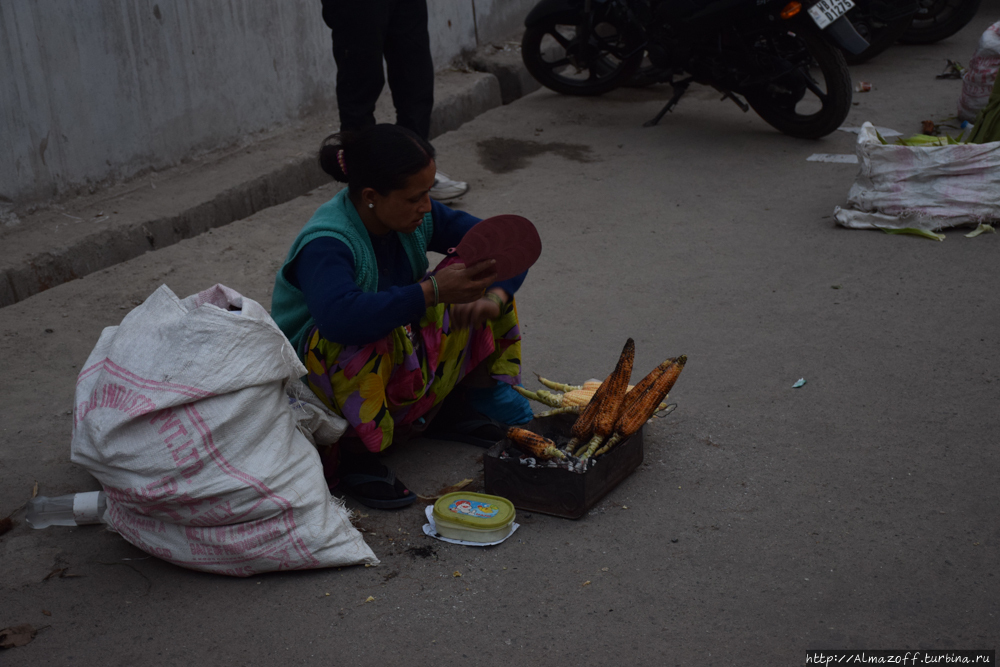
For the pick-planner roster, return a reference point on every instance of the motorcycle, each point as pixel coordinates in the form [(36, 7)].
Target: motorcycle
[(778, 55), (883, 22)]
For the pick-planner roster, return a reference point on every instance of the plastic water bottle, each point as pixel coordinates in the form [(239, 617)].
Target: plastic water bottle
[(76, 509)]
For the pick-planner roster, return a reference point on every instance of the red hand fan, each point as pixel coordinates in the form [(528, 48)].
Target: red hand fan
[(509, 239)]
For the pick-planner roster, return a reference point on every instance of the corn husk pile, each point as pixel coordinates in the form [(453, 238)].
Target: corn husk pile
[(608, 412)]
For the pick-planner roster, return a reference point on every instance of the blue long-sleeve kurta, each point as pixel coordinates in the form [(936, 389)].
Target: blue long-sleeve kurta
[(324, 271)]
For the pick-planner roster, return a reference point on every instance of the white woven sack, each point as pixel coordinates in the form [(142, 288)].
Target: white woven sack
[(977, 82), (931, 188), (188, 413)]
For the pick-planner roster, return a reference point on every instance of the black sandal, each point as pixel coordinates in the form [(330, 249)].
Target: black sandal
[(372, 484)]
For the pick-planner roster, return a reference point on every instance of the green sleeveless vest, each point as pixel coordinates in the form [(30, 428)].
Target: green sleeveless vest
[(339, 219)]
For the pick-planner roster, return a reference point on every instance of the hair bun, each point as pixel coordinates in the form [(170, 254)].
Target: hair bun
[(331, 160), (381, 157)]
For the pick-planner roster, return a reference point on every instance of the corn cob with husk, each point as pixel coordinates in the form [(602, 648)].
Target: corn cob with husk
[(558, 386), (574, 398), (645, 383), (583, 427), (644, 406), (534, 444), (542, 396), (607, 402), (558, 402)]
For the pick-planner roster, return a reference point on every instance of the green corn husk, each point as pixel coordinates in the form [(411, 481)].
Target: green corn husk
[(570, 446), (921, 140), (986, 127), (568, 410), (555, 400), (925, 140), (588, 450), (542, 396), (934, 236), (983, 228), (551, 452), (558, 386), (612, 441)]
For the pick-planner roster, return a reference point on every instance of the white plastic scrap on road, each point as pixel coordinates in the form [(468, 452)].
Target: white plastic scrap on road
[(921, 187), (845, 158)]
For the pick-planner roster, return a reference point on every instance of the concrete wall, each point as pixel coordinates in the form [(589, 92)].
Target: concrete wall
[(93, 91)]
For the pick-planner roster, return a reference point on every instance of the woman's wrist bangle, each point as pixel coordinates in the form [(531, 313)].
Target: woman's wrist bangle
[(495, 298), (437, 295)]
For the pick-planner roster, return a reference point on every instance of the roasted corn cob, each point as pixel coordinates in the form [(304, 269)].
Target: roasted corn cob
[(583, 427), (643, 407), (575, 396), (533, 444), (608, 407), (638, 390)]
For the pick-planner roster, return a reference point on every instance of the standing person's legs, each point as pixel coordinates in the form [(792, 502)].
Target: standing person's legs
[(358, 29), (407, 50)]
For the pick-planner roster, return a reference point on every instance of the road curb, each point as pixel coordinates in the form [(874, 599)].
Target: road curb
[(504, 62), (30, 270)]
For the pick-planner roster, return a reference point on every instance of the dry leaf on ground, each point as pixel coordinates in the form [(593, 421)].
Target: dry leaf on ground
[(19, 635), (6, 525), (446, 490)]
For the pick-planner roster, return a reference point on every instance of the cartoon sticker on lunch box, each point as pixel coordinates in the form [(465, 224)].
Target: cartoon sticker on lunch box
[(474, 508)]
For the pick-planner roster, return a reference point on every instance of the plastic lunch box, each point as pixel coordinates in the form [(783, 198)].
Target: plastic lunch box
[(473, 517)]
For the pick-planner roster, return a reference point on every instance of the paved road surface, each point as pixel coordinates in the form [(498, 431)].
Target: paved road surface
[(859, 511)]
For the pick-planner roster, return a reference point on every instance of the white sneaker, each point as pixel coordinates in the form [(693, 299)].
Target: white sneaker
[(444, 188)]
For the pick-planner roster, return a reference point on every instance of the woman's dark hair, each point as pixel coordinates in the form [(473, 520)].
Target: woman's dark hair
[(377, 156)]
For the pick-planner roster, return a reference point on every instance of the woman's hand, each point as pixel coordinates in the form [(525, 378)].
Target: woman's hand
[(473, 314), (460, 284)]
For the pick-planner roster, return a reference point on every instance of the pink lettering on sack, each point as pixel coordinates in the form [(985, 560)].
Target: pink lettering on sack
[(114, 397), (132, 528), (218, 535)]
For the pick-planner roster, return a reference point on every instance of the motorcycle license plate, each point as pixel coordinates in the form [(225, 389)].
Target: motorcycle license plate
[(826, 12)]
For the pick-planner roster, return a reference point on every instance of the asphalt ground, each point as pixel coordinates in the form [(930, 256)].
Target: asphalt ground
[(857, 512)]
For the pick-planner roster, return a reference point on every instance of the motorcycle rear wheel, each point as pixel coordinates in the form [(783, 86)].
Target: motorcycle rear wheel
[(939, 19), (880, 34), (557, 60), (797, 103)]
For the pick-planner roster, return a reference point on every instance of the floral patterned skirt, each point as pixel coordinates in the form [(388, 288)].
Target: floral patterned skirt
[(398, 379)]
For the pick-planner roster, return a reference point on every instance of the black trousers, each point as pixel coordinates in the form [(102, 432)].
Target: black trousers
[(366, 31)]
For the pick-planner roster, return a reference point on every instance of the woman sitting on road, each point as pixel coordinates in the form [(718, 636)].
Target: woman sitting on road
[(384, 340)]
